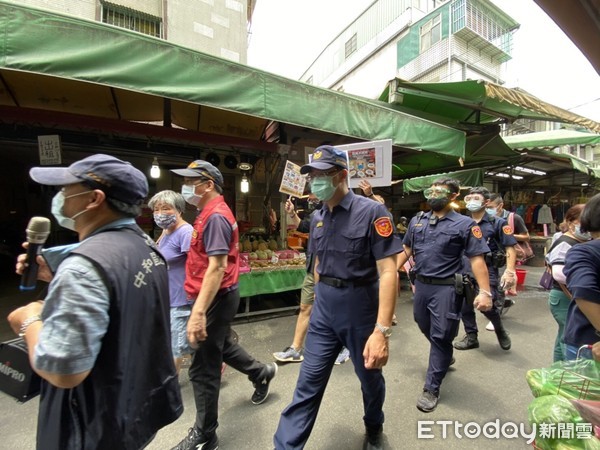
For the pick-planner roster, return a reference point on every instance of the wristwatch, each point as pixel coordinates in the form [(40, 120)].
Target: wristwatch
[(28, 322), (386, 331)]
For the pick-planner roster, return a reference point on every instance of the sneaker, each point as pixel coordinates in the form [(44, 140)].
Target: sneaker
[(261, 389), (196, 440), (503, 339), (490, 326), (373, 439), (468, 342), (343, 356), (428, 401), (290, 354)]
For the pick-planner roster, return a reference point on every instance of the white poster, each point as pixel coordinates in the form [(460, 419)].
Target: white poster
[(49, 147), (371, 161), (292, 182)]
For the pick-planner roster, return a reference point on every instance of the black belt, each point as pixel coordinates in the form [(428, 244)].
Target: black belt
[(431, 280), (339, 283)]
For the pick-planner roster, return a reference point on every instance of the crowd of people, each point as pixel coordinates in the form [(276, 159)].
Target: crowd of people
[(121, 310)]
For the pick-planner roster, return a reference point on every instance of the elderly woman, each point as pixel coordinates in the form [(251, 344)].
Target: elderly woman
[(174, 244), (582, 269), (558, 300)]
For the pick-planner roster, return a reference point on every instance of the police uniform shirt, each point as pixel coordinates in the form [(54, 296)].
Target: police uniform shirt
[(352, 237), (582, 268), (438, 247)]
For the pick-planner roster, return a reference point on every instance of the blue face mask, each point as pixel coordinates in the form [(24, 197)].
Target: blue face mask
[(491, 211), (474, 205), (58, 202), (581, 236), (322, 188), (164, 221), (189, 194)]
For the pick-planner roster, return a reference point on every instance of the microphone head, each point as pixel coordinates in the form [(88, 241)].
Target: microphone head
[(38, 230)]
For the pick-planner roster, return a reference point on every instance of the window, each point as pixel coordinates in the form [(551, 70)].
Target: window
[(431, 33), (350, 46), (128, 18)]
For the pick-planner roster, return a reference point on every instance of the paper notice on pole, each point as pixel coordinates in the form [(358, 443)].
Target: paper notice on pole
[(292, 182)]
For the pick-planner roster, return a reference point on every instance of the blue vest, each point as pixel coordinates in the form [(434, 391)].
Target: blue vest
[(132, 391)]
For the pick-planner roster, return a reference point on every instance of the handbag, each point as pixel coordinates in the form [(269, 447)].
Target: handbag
[(523, 249), (547, 281)]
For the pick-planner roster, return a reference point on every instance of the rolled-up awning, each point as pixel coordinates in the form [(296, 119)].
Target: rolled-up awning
[(467, 178), (551, 139)]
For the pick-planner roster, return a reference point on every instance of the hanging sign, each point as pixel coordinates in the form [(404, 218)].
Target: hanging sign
[(292, 182), (50, 150)]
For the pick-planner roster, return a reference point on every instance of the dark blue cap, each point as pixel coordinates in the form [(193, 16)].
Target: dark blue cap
[(200, 168), (117, 179), (326, 157)]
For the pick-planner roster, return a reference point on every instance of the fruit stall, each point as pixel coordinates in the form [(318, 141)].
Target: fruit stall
[(264, 269)]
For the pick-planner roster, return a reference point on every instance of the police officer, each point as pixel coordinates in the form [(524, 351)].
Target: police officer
[(353, 242), (437, 240), (501, 241)]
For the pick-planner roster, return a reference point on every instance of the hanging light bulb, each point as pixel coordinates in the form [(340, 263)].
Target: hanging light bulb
[(245, 185), (155, 169)]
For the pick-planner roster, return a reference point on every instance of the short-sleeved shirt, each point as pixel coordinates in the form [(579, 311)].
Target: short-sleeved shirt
[(519, 223), (497, 235), (76, 295), (582, 269), (438, 249), (217, 235), (174, 247), (350, 239)]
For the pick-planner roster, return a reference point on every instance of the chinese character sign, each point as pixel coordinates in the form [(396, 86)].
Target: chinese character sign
[(50, 151), (369, 160), (292, 182)]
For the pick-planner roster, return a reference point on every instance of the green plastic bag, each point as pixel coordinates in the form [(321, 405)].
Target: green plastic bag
[(576, 379)]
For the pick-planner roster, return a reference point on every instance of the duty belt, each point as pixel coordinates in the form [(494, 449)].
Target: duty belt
[(431, 280), (339, 283)]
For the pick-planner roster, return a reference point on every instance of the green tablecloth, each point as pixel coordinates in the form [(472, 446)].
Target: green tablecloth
[(271, 282)]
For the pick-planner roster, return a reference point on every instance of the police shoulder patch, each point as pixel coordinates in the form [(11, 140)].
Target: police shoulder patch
[(506, 229), (319, 224), (383, 226), (477, 232)]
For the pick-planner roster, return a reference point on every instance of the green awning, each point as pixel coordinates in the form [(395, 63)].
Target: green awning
[(59, 63), (551, 139), (467, 178), (475, 102)]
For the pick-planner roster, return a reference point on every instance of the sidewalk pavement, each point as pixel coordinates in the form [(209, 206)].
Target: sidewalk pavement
[(485, 384)]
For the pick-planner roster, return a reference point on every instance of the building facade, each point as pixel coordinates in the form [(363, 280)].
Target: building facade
[(216, 27), (416, 40)]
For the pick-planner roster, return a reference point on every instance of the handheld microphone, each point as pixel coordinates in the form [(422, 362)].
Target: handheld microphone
[(37, 231)]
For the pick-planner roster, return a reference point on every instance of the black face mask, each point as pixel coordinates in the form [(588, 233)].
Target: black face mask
[(437, 204)]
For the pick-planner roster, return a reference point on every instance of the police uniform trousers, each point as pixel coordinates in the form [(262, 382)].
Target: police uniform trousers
[(436, 310), (343, 316), (205, 368), (493, 315)]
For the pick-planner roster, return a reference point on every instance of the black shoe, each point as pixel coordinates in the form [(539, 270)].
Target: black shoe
[(373, 439), (503, 338), (452, 361), (261, 388), (468, 342), (428, 401), (196, 440)]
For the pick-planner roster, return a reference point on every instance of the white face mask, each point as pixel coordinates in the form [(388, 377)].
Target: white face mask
[(189, 194), (58, 203)]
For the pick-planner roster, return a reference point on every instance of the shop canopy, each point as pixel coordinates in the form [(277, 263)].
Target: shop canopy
[(67, 65), (551, 139), (467, 178), (475, 103)]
